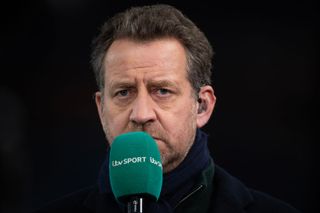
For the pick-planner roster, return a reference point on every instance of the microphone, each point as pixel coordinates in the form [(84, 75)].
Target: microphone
[(135, 170)]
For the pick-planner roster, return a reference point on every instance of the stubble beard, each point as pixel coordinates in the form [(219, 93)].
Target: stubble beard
[(172, 155)]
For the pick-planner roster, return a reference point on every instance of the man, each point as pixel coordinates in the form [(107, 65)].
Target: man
[(153, 68)]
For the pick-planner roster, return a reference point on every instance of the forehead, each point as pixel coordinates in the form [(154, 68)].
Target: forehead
[(165, 57)]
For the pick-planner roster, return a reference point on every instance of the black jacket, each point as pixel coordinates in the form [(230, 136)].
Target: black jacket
[(221, 193)]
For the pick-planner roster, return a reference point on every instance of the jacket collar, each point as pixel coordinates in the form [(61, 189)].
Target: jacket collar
[(229, 195)]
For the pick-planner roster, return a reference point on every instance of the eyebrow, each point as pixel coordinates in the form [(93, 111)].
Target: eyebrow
[(162, 83), (120, 84), (126, 83)]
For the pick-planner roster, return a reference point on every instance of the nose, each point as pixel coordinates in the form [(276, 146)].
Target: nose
[(142, 109)]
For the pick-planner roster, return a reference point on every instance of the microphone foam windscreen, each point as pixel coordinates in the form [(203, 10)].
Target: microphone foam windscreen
[(135, 166)]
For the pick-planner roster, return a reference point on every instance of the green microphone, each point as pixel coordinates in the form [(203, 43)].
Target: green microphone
[(135, 170)]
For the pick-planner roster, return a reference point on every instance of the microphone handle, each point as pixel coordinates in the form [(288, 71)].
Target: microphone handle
[(135, 205)]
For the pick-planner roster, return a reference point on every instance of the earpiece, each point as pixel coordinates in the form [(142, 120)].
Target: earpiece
[(202, 106)]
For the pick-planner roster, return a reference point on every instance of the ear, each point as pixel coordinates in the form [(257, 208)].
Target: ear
[(206, 103), (99, 103)]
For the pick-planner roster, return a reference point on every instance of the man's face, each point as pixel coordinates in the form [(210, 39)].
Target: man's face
[(146, 89)]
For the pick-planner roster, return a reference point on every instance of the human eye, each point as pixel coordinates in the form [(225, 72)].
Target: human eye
[(122, 93), (163, 91)]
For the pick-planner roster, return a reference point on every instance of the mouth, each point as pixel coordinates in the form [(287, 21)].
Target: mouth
[(160, 143), (157, 139)]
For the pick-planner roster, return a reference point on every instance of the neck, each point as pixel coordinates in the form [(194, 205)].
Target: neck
[(197, 159)]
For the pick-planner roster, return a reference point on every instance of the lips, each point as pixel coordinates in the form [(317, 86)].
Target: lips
[(157, 139), (162, 146)]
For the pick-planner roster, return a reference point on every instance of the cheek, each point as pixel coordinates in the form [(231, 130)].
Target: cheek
[(115, 121), (184, 115), (181, 123)]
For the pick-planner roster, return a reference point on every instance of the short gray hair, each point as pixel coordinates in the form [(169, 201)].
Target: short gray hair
[(147, 23)]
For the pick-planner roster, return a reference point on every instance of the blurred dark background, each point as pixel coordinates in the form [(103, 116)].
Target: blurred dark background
[(265, 77)]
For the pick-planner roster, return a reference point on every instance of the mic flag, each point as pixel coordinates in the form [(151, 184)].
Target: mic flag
[(135, 166)]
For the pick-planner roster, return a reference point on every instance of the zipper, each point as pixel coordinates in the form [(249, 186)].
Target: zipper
[(189, 195)]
